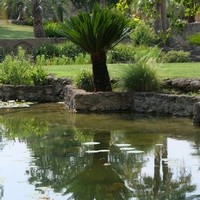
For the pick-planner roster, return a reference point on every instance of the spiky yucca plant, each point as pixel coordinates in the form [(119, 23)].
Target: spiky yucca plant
[(96, 33)]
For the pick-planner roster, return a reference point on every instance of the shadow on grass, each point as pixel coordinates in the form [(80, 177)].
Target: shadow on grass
[(9, 32)]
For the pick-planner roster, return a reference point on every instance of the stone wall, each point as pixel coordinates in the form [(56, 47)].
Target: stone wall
[(53, 92), (180, 42), (80, 100), (143, 102), (27, 44), (177, 105), (191, 29), (183, 85)]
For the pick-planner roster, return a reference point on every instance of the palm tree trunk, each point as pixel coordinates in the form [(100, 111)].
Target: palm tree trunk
[(100, 72), (37, 20)]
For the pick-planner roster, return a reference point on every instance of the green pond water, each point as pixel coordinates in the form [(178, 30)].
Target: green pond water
[(48, 153)]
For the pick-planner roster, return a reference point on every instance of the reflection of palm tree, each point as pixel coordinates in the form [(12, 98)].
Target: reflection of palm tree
[(164, 188), (98, 181), (1, 192)]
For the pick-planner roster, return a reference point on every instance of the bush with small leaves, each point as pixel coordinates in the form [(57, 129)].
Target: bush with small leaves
[(176, 57), (18, 70), (123, 53), (49, 51), (51, 29), (143, 35)]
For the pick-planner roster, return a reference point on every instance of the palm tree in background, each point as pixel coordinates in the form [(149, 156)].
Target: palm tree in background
[(38, 27), (96, 33)]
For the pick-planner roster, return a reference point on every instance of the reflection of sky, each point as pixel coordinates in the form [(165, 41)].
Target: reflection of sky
[(183, 150), (180, 156), (14, 161)]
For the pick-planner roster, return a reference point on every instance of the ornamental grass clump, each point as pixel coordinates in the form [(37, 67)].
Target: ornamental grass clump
[(141, 76), (84, 80)]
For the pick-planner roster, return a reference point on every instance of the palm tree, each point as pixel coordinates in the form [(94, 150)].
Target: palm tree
[(96, 33), (37, 19)]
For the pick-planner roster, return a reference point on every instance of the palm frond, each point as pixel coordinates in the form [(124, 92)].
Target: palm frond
[(101, 30)]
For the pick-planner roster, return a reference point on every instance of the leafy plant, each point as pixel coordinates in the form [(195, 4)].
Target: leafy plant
[(194, 39), (39, 76), (96, 33), (82, 59), (176, 57), (49, 51), (123, 53), (84, 80), (143, 35), (51, 28), (145, 52), (17, 70), (141, 76)]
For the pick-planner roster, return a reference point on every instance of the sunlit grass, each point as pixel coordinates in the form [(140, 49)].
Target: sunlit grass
[(8, 31), (167, 70)]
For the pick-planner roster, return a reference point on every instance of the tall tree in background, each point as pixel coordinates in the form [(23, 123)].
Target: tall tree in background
[(59, 8), (160, 23), (97, 33)]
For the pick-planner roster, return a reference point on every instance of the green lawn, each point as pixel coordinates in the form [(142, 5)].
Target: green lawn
[(8, 31), (167, 70)]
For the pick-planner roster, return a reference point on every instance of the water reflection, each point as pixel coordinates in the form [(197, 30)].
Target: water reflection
[(160, 162)]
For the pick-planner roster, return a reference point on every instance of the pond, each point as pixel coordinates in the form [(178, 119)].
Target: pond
[(48, 153)]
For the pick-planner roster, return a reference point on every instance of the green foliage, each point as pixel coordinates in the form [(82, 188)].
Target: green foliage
[(127, 53), (176, 57), (2, 54), (51, 28), (143, 35), (141, 76), (39, 76), (123, 53), (145, 52), (194, 39), (63, 60), (100, 31), (82, 59), (17, 70), (84, 80), (50, 51)]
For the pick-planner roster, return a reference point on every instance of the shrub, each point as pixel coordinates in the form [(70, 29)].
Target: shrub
[(49, 51), (51, 29), (145, 52), (4, 52), (194, 39), (176, 57), (123, 53), (143, 35), (17, 70), (84, 80), (39, 76), (70, 49), (141, 76), (82, 59)]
